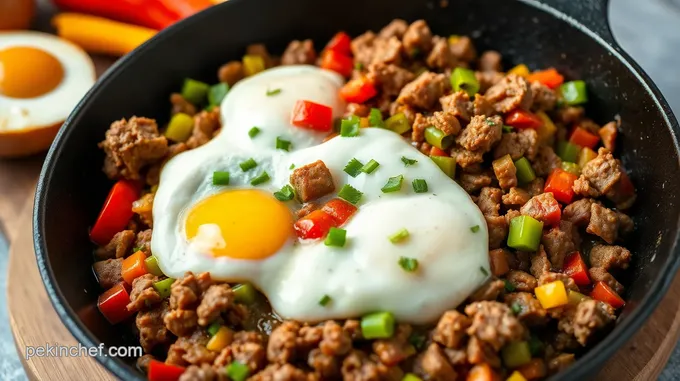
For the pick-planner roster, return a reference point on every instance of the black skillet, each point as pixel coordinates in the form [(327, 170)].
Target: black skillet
[(571, 35)]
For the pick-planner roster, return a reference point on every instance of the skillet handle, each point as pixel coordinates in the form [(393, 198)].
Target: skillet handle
[(593, 14)]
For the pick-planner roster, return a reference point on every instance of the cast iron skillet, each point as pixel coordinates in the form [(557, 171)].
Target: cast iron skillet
[(570, 35)]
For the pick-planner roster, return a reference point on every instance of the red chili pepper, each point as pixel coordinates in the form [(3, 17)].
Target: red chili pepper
[(113, 303), (583, 138), (434, 151), (560, 183), (604, 293), (523, 119), (340, 210), (314, 225), (340, 43), (312, 116), (116, 212), (577, 269), (338, 62), (358, 90), (550, 77), (160, 371)]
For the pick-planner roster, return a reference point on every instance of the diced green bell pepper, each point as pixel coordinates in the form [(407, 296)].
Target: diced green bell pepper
[(525, 173), (568, 151), (446, 164), (525, 233), (516, 354), (398, 123), (574, 92)]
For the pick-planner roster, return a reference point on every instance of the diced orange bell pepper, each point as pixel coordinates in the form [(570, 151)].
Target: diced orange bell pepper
[(113, 303), (338, 62), (604, 293), (340, 43), (134, 267), (314, 225), (550, 77), (340, 210), (560, 183), (312, 116), (358, 90), (533, 370), (583, 138), (577, 269), (482, 372), (521, 119)]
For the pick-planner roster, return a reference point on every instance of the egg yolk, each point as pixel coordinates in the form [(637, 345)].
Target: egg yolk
[(27, 72), (253, 224)]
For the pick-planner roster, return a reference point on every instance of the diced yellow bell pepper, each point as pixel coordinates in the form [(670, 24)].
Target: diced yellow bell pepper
[(547, 130), (453, 39), (516, 376), (585, 155), (180, 127), (252, 65), (552, 294), (576, 297), (363, 123), (220, 340), (522, 70)]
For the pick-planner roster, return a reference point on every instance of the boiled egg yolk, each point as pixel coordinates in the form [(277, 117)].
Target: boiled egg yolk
[(27, 72), (250, 224)]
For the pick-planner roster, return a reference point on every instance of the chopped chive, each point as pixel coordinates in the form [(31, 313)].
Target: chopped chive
[(350, 194), (248, 165), (399, 236), (260, 179), (375, 118), (336, 237), (253, 132), (408, 264), (292, 166), (507, 129), (220, 178), (358, 66), (213, 328), (282, 144), (285, 194), (474, 229), (136, 249), (419, 186), (273, 92), (516, 308), (408, 161), (509, 287), (349, 127), (370, 166), (324, 300), (490, 122), (353, 168), (484, 271), (393, 184)]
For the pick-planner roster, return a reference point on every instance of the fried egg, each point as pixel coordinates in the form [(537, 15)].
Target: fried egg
[(241, 232)]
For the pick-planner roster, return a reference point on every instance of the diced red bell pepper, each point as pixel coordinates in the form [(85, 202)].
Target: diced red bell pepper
[(358, 90), (116, 212), (434, 151), (523, 119), (577, 269), (550, 77), (312, 116), (560, 183), (160, 371), (113, 303), (314, 225), (338, 62), (340, 210), (604, 293), (340, 43), (583, 138)]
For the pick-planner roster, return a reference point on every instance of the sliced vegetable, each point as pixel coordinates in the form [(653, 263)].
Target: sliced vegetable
[(253, 64), (378, 325), (438, 138), (447, 164), (133, 267), (572, 168), (574, 93), (375, 118), (419, 185), (217, 93), (220, 339), (560, 183), (398, 123), (272, 92), (349, 127), (163, 287), (552, 294), (237, 371), (314, 225), (434, 151), (583, 138), (180, 127), (411, 377), (547, 130), (248, 165), (499, 262), (253, 132), (312, 116), (244, 293), (515, 354), (195, 91), (340, 43), (408, 161), (349, 193), (516, 376), (399, 236), (604, 293), (220, 178), (549, 77), (116, 212), (213, 328), (568, 151), (408, 264), (113, 303), (337, 62), (370, 167), (393, 184), (336, 237), (584, 156), (521, 119), (340, 210), (151, 264), (576, 269), (324, 300), (522, 70), (465, 80), (358, 90), (525, 233), (282, 144), (260, 179), (576, 297), (525, 172), (353, 168), (160, 371), (286, 193), (482, 372)]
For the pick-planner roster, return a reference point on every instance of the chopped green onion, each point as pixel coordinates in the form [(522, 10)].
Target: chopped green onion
[(217, 93), (336, 237), (399, 236), (507, 128), (248, 165), (324, 300), (483, 271), (490, 122), (516, 354), (136, 249), (408, 264), (525, 233), (419, 186), (273, 92), (568, 151), (574, 92), (180, 127), (163, 287), (195, 91), (282, 144), (464, 79), (375, 118), (408, 161), (286, 193), (516, 308), (349, 127), (398, 123), (350, 194), (525, 173), (244, 293), (509, 287), (370, 167), (378, 325), (213, 328), (571, 168), (358, 66), (353, 168), (292, 166), (438, 138), (393, 184), (253, 132), (220, 178), (474, 229), (411, 377), (237, 371), (446, 164), (260, 179), (151, 264)]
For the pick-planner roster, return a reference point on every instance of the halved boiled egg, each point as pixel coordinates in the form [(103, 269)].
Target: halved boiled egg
[(42, 78)]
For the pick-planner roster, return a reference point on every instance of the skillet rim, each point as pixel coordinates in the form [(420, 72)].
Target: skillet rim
[(591, 361)]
